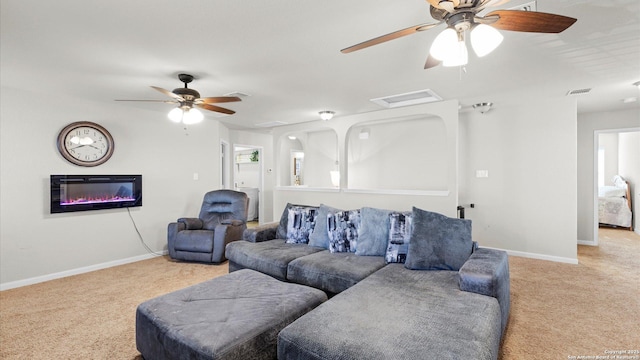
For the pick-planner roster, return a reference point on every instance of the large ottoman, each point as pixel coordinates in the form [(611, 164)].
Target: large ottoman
[(235, 316)]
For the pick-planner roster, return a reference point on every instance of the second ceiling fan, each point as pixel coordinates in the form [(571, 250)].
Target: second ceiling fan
[(449, 47)]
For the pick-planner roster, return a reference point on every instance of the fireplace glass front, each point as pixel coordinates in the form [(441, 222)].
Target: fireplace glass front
[(94, 192)]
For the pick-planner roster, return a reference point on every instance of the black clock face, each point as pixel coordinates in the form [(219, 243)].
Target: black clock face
[(85, 143)]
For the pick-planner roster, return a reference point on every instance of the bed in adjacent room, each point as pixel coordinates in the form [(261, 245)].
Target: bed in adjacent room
[(614, 204)]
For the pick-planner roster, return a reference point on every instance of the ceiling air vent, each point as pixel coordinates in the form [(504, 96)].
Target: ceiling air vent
[(411, 98), (577, 92), (238, 94)]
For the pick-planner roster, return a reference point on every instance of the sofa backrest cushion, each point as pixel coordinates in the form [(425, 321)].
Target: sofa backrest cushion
[(438, 242), (399, 235), (374, 232), (320, 236)]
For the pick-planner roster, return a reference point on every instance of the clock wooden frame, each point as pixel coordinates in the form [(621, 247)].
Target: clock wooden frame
[(65, 150)]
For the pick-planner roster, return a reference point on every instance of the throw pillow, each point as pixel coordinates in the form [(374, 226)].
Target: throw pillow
[(281, 230), (399, 234), (438, 242), (300, 224), (342, 227), (320, 235), (374, 232)]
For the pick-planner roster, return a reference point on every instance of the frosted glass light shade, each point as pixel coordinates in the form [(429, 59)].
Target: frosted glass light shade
[(187, 117), (192, 116), (485, 39), (458, 57), (444, 44), (175, 115)]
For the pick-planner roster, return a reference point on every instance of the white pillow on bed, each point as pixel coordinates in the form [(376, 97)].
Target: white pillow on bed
[(611, 191)]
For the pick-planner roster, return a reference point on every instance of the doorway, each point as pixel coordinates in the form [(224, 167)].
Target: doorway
[(616, 153), (224, 165), (248, 170)]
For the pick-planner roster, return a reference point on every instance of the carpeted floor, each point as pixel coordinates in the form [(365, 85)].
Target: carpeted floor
[(557, 310)]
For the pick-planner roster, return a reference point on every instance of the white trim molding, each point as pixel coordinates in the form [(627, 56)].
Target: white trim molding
[(82, 270), (537, 256)]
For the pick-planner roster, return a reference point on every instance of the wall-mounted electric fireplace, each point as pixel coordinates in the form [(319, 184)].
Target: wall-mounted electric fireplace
[(94, 192)]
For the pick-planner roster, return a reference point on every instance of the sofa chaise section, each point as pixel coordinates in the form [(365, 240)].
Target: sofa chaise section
[(397, 313)]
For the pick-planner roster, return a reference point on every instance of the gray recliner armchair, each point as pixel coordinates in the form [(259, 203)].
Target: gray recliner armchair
[(222, 219)]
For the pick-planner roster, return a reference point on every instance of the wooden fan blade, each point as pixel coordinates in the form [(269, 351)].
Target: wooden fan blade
[(390, 36), (169, 93), (431, 62), (531, 21), (220, 99), (216, 109), (162, 101)]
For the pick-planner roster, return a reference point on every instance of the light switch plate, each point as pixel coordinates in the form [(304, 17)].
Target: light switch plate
[(482, 173)]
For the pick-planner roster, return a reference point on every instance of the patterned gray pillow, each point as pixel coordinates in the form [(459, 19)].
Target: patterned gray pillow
[(300, 224), (343, 227), (281, 230), (400, 226)]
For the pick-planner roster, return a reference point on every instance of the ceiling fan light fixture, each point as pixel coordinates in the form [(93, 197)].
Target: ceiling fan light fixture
[(445, 44), (459, 57), (485, 39), (326, 115), (185, 115), (175, 115), (192, 116)]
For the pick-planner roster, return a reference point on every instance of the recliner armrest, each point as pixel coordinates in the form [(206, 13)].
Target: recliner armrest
[(261, 233), (191, 223), (486, 272), (233, 222)]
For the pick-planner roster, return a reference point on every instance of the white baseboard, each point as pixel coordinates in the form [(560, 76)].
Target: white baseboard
[(587, 242), (82, 270), (537, 256)]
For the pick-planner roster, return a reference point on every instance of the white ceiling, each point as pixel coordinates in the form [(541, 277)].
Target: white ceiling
[(285, 54)]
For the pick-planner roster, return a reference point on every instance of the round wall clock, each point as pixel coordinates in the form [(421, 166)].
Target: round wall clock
[(85, 143)]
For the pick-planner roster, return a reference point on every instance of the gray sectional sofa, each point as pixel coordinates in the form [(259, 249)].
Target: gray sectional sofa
[(401, 285)]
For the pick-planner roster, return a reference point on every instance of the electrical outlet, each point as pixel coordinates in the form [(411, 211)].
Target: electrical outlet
[(195, 176), (482, 173)]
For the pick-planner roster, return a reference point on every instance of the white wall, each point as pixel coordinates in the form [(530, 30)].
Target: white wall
[(588, 124), (528, 202), (609, 143), (629, 167), (34, 243), (405, 155)]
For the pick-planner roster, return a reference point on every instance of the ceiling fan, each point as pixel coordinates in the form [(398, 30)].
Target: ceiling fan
[(188, 98), (461, 16)]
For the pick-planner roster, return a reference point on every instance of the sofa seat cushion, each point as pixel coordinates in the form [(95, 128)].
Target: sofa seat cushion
[(269, 257), (194, 241), (397, 313), (332, 272)]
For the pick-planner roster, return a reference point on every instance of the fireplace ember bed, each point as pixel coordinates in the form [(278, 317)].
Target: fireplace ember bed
[(71, 193)]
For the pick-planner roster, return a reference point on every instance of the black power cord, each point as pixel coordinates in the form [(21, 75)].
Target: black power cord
[(140, 235)]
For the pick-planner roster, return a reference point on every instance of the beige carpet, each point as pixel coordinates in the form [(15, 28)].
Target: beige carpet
[(557, 310)]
